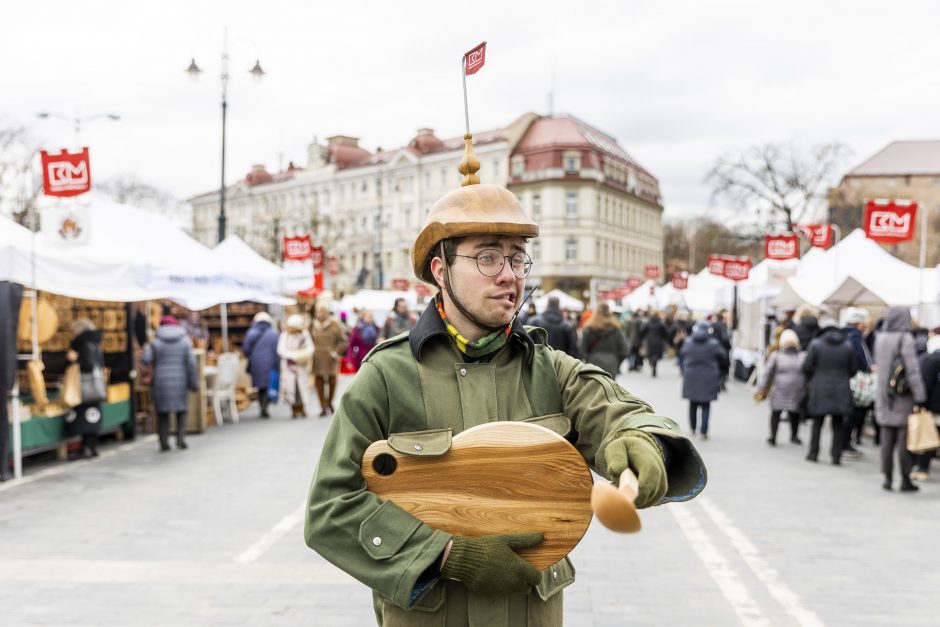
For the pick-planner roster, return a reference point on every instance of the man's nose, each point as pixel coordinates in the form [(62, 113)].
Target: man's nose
[(505, 273)]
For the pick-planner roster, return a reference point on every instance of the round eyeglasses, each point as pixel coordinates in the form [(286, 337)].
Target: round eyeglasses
[(490, 263)]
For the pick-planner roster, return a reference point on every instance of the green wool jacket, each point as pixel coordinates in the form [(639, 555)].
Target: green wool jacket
[(419, 382)]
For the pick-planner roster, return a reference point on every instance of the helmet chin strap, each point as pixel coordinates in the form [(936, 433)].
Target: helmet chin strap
[(453, 297)]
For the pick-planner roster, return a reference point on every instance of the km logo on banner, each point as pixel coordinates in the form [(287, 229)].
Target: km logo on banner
[(890, 221), (65, 174), (781, 246)]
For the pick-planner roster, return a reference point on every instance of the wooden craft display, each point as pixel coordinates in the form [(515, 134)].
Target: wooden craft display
[(496, 478)]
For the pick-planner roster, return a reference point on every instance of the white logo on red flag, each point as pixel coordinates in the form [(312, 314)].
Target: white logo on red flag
[(333, 265), (66, 174), (819, 235), (473, 61), (634, 282), (737, 268), (651, 271), (680, 280), (316, 254), (716, 265), (297, 248), (781, 246), (890, 221)]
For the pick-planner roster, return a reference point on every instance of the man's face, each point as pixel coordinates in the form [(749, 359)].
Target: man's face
[(401, 307), (322, 313), (492, 300)]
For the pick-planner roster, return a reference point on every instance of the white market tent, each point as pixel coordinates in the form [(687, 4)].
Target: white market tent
[(240, 259), (565, 300)]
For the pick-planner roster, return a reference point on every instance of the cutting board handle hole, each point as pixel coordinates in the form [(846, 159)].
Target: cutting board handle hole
[(384, 464)]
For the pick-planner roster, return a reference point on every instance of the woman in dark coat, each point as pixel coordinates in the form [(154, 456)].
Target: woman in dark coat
[(930, 372), (174, 375), (656, 335), (603, 342), (86, 417), (260, 348), (830, 363), (362, 339), (702, 360), (783, 374)]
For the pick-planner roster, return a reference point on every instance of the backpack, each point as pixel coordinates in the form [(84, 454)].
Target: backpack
[(897, 375)]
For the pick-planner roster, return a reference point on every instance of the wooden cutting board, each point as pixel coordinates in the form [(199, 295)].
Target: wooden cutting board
[(499, 477)]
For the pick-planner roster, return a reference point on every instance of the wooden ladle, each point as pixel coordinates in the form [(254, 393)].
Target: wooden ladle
[(614, 507)]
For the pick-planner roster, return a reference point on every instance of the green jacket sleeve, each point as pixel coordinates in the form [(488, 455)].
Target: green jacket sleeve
[(600, 408), (376, 542)]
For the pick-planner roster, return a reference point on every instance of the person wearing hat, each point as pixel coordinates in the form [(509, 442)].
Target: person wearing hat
[(702, 361), (783, 376), (829, 364), (85, 418), (295, 347), (854, 328), (467, 361), (260, 348), (174, 375)]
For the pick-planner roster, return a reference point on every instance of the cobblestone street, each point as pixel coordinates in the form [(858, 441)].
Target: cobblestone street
[(212, 536)]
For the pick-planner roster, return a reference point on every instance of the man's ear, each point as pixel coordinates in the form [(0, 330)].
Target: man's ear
[(438, 271)]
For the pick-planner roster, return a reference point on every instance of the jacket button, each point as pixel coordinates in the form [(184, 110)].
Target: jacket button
[(463, 372), (377, 541), (554, 574), (418, 447)]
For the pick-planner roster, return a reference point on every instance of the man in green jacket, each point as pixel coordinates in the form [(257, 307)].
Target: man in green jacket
[(466, 362)]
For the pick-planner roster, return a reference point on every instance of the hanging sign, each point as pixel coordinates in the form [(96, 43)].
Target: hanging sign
[(651, 271), (737, 268), (332, 265), (400, 285), (716, 265), (473, 61), (66, 224), (297, 248), (680, 280), (781, 246), (316, 254), (890, 221), (634, 282), (819, 235), (65, 174)]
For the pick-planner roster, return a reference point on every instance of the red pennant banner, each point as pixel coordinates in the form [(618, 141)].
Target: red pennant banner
[(890, 221), (400, 284), (297, 248), (66, 174), (473, 61), (819, 235), (634, 282), (680, 280), (716, 265), (737, 268), (781, 246), (651, 271), (332, 265), (316, 255)]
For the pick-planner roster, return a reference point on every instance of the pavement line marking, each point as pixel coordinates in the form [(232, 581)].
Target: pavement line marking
[(71, 466), (767, 574), (274, 534), (747, 609)]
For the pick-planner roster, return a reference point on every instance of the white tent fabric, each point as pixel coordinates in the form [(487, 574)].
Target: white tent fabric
[(565, 300), (240, 259)]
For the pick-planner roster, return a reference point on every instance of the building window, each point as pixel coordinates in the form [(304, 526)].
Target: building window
[(571, 207), (536, 206), (571, 249), (891, 182), (518, 166), (443, 176), (536, 250), (571, 165)]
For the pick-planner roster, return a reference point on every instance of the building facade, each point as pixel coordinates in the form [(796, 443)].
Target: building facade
[(599, 212)]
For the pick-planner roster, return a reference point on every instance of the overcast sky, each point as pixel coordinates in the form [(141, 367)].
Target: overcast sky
[(676, 83)]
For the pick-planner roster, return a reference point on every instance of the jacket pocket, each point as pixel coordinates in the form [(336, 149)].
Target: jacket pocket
[(428, 443), (555, 578), (559, 423), (386, 530)]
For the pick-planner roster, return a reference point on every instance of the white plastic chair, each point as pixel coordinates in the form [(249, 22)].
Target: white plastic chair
[(223, 389)]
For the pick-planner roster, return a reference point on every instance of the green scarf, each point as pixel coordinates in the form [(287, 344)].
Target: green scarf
[(486, 345)]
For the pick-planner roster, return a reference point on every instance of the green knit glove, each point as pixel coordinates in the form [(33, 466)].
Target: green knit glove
[(640, 452), (489, 565)]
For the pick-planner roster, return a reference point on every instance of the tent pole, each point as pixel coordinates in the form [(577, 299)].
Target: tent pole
[(224, 310), (924, 218)]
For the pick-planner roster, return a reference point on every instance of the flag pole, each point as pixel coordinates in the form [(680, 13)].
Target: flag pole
[(466, 108), (470, 165)]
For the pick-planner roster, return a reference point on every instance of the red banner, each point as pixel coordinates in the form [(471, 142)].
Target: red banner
[(333, 265), (297, 248), (680, 280), (316, 254), (651, 271), (781, 246), (819, 235), (66, 174), (634, 282), (716, 265), (890, 221), (473, 61), (400, 284), (422, 290), (737, 268)]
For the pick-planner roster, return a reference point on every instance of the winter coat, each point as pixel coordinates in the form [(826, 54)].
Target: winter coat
[(930, 371), (783, 373), (634, 330), (702, 360), (806, 329), (721, 333), (656, 335), (604, 348), (562, 336), (174, 369), (359, 345), (396, 324), (260, 348), (892, 410), (296, 351), (829, 364), (410, 388), (857, 342), (329, 341), (87, 417)]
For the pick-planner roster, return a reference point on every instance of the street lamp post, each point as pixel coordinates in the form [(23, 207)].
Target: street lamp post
[(379, 273), (194, 71), (77, 121)]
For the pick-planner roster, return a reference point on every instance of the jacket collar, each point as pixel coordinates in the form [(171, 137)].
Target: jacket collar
[(430, 325)]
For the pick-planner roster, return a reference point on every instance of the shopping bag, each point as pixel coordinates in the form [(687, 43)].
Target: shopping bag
[(71, 392), (274, 385), (863, 389), (346, 366), (92, 386), (922, 433)]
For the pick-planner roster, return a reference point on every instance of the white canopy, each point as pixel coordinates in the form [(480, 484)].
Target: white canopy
[(565, 300)]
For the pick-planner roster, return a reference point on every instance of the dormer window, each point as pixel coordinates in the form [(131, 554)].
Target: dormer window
[(518, 166), (572, 162)]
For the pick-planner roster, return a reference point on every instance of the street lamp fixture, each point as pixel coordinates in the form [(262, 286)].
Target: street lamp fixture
[(77, 120)]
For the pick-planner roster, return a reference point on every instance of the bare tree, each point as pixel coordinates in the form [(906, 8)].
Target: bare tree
[(778, 177), (128, 189), (20, 185)]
